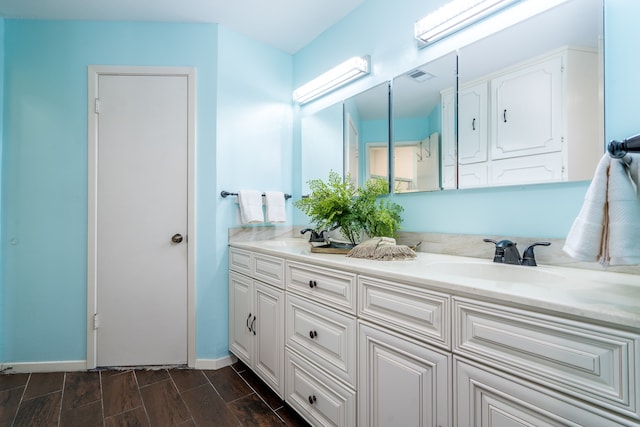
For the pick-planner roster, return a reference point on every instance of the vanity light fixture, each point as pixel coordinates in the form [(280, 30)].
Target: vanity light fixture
[(351, 69), (454, 16)]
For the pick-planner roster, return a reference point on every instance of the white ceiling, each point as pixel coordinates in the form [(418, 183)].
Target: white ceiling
[(288, 25)]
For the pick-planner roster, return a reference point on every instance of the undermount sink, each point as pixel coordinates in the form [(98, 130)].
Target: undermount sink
[(498, 272)]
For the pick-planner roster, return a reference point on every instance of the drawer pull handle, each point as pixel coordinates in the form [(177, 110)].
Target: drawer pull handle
[(313, 334), (312, 399), (249, 326), (253, 322), (313, 284)]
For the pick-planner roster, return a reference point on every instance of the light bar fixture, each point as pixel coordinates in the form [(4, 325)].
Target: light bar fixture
[(454, 16), (351, 69)]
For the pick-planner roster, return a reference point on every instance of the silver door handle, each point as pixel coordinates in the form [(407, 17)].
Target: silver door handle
[(176, 238)]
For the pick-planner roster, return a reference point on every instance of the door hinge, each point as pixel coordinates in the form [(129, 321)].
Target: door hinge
[(97, 106), (96, 321)]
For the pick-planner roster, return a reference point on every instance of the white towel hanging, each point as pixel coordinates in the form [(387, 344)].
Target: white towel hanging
[(276, 211), (250, 202), (607, 228)]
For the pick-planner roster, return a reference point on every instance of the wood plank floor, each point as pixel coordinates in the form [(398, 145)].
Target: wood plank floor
[(231, 396)]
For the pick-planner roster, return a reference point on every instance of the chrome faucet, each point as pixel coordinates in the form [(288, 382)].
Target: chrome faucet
[(507, 252)]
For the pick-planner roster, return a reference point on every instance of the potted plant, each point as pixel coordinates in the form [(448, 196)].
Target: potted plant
[(356, 211)]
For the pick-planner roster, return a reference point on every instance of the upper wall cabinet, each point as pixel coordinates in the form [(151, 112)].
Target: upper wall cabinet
[(423, 116), (530, 100)]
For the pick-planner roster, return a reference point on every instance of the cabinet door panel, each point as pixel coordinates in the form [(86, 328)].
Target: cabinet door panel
[(269, 350), (472, 124), (526, 111), (401, 382), (241, 316)]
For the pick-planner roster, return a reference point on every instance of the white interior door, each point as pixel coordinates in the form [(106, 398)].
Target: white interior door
[(142, 203)]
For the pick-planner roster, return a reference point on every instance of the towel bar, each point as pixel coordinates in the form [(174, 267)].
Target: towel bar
[(619, 149), (224, 193)]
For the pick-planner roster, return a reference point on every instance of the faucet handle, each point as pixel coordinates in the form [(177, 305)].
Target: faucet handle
[(498, 255), (528, 257)]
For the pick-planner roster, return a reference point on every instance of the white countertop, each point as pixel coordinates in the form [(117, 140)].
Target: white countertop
[(601, 296)]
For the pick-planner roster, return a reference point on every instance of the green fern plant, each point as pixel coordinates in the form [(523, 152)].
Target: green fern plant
[(337, 203)]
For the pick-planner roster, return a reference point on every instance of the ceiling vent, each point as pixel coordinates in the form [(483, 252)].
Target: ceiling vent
[(419, 75)]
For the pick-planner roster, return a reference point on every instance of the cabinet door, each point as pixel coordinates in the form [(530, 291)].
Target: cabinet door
[(472, 124), (488, 398), (241, 317), (269, 328), (526, 111), (401, 382)]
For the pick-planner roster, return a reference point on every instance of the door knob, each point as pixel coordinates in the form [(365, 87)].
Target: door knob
[(176, 238)]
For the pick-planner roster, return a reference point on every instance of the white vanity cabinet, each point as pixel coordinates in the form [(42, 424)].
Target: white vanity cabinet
[(256, 314), (348, 343)]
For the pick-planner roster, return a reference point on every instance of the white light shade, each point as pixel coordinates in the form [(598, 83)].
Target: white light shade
[(342, 74), (454, 16)]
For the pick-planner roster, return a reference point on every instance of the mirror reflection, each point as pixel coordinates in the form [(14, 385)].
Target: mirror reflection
[(530, 100), (423, 114), (322, 144), (366, 135)]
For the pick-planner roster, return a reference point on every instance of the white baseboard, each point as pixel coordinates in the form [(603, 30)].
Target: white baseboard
[(61, 366), (215, 363)]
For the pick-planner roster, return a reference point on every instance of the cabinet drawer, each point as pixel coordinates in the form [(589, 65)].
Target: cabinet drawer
[(334, 288), (485, 396), (320, 399), (420, 313), (325, 336), (591, 362), (269, 269), (240, 261)]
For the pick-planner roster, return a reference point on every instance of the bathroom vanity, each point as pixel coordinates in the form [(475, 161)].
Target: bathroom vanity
[(440, 340)]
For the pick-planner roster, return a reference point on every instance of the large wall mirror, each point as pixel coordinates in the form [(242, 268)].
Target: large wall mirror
[(530, 100), (423, 114), (322, 144), (366, 135)]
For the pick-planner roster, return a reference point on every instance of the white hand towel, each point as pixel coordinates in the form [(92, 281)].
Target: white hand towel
[(607, 228), (276, 211), (624, 212), (250, 202)]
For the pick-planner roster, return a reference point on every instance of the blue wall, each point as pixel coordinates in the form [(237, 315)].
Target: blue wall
[(246, 137), (537, 210), (243, 140), (254, 146)]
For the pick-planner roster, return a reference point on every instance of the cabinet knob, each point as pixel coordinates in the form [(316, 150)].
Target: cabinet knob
[(253, 322), (313, 284), (312, 399), (473, 124), (313, 334), (504, 115)]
